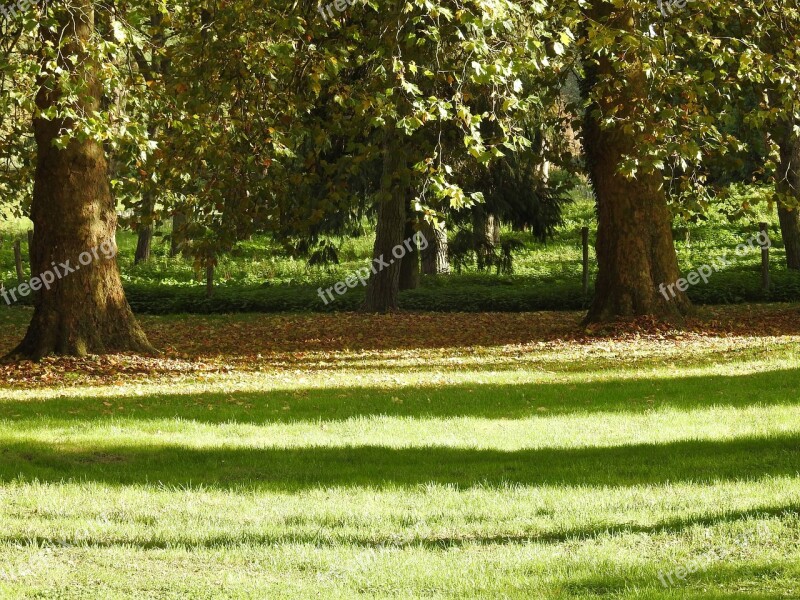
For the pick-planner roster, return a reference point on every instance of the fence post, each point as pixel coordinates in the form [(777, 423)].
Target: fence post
[(30, 249), (585, 242), (764, 257), (18, 261)]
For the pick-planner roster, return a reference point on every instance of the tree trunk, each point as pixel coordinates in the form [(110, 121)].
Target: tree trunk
[(635, 250), (158, 67), (143, 244), (486, 234), (383, 288), (435, 258), (789, 185), (176, 239), (210, 278), (84, 311), (409, 265)]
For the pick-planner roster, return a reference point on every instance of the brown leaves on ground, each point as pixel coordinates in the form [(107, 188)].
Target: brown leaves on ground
[(196, 345)]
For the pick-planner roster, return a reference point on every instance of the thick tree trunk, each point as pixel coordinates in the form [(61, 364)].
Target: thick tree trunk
[(790, 232), (435, 258), (635, 250), (409, 266), (789, 185), (383, 288), (83, 309)]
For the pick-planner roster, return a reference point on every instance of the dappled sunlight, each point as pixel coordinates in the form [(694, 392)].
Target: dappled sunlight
[(497, 460), (597, 429), (339, 382), (264, 350), (157, 516)]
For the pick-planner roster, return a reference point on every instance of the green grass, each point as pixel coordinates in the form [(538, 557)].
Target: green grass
[(538, 471)]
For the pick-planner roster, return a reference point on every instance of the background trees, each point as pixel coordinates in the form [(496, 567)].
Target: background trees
[(241, 118)]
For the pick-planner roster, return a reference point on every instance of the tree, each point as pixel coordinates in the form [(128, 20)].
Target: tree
[(635, 250), (435, 256), (409, 264), (83, 309), (153, 69), (788, 191), (432, 61), (384, 285)]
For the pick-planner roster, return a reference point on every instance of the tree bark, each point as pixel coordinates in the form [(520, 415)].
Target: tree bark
[(409, 265), (83, 311), (210, 277), (383, 288), (435, 258), (143, 244), (486, 235), (635, 249), (789, 185)]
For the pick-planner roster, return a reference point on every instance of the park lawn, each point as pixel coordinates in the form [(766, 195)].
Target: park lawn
[(341, 456)]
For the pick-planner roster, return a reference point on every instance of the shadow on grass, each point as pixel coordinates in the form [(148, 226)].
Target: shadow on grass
[(300, 532), (722, 581), (476, 400), (376, 466)]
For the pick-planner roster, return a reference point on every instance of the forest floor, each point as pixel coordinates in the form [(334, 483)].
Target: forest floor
[(408, 455)]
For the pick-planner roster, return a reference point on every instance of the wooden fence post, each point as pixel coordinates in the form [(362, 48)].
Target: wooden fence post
[(585, 242), (30, 249), (764, 257), (18, 261)]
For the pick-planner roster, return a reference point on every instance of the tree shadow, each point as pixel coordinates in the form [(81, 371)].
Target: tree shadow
[(383, 467), (397, 540), (476, 400), (716, 582)]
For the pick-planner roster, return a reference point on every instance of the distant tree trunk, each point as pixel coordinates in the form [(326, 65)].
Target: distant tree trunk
[(158, 67), (74, 215), (210, 264), (176, 239), (486, 235), (409, 266), (144, 234), (435, 258), (143, 244), (383, 288), (635, 250), (789, 185)]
